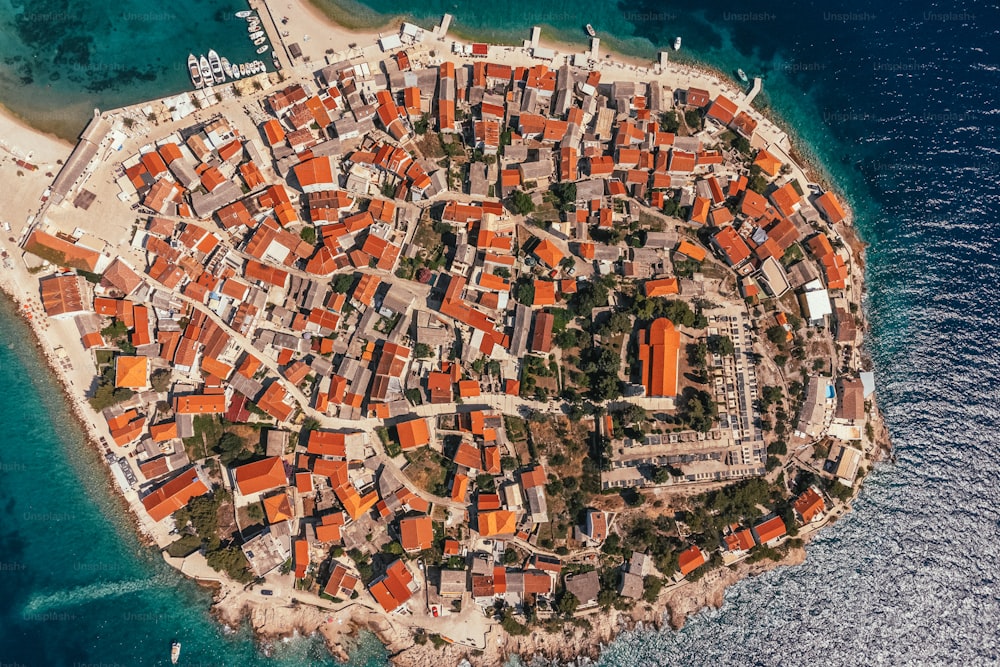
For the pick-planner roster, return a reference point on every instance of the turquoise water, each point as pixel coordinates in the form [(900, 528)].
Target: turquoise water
[(74, 56), (78, 588)]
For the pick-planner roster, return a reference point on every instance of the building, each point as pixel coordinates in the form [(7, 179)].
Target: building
[(770, 531), (260, 476), (416, 533), (394, 588), (174, 494), (690, 560), (809, 506), (658, 352), (413, 433)]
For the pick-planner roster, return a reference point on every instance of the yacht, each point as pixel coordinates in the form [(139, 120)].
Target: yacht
[(206, 71), (195, 71), (227, 68), (246, 13), (677, 44), (742, 75), (175, 652), (216, 64)]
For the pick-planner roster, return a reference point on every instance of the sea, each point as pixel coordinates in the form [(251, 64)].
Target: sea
[(896, 103)]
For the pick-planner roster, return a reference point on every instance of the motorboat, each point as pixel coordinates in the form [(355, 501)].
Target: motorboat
[(677, 44), (175, 652), (227, 68), (215, 63), (591, 31), (256, 35), (206, 71), (262, 49), (195, 71), (246, 13), (259, 41), (742, 75)]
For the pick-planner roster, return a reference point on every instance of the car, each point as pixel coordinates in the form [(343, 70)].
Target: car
[(434, 610), (266, 591)]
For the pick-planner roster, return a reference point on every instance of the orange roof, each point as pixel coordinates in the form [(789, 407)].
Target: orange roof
[(512, 387), (277, 508), (809, 505), (690, 560), (200, 404), (327, 443), (274, 132), (769, 530), (659, 358), (173, 495), (301, 558), (661, 287), (468, 388), (699, 212), (130, 372), (545, 293), (354, 503), (754, 204), (163, 432), (500, 522), (260, 476), (63, 253), (786, 199), (830, 207), (416, 533), (329, 530), (413, 433), (690, 250), (770, 164), (459, 487), (392, 590), (548, 252)]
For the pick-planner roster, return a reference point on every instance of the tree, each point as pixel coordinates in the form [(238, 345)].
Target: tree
[(670, 122), (777, 334), (520, 203), (423, 351), (524, 292), (567, 604), (343, 282), (721, 345), (308, 234), (229, 447), (511, 557), (160, 380)]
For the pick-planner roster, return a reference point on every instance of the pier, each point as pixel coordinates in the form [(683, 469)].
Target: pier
[(278, 46)]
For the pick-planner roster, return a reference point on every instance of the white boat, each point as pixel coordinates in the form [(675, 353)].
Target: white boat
[(195, 71), (256, 35), (206, 71), (591, 31), (246, 13), (253, 26), (677, 44), (259, 41), (227, 68), (175, 652), (262, 49), (216, 64), (742, 75)]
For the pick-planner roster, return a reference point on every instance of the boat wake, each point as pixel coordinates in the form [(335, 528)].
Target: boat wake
[(42, 604)]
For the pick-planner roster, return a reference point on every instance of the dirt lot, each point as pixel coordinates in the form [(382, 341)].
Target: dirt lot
[(428, 470)]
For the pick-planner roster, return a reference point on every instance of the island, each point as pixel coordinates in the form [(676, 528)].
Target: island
[(489, 350)]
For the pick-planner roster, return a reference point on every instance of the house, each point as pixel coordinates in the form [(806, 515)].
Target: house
[(260, 476), (498, 522), (690, 560), (132, 372), (830, 207), (533, 486), (394, 588), (596, 527), (585, 587), (770, 531), (453, 583), (416, 533), (659, 350), (413, 433), (850, 400), (174, 494), (64, 296), (809, 506)]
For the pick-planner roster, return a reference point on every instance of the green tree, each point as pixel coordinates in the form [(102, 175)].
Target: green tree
[(567, 604), (343, 282), (423, 351), (308, 234), (520, 203), (721, 345)]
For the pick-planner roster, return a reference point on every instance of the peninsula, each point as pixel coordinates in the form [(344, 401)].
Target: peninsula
[(487, 349)]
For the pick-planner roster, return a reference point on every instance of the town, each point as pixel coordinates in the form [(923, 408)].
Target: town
[(471, 336)]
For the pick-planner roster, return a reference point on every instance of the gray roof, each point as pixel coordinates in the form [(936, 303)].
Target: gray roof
[(585, 586)]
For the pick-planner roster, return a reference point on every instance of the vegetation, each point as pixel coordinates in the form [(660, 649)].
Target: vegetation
[(521, 203)]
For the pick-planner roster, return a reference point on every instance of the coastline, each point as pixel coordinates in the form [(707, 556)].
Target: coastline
[(269, 623)]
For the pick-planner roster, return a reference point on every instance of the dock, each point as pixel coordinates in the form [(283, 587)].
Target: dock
[(757, 86), (278, 46)]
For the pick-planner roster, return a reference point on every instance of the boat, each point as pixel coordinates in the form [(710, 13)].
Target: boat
[(677, 44), (195, 71), (246, 13), (590, 30), (175, 652), (256, 35), (743, 76), (216, 64), (262, 49), (227, 68), (259, 41), (206, 71)]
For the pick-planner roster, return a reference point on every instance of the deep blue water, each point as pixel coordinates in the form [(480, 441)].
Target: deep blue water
[(899, 104)]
